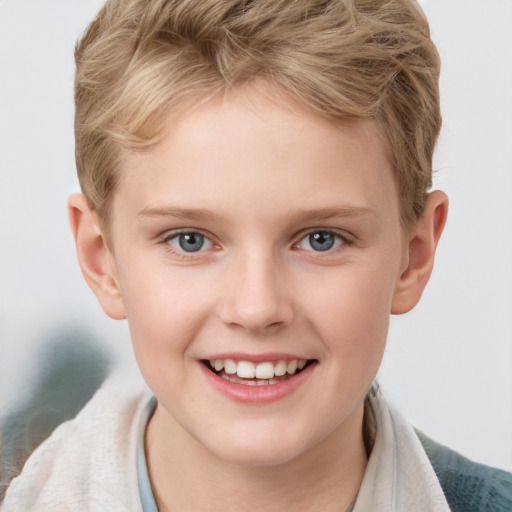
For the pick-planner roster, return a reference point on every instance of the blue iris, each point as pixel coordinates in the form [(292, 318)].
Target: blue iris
[(191, 242), (321, 240)]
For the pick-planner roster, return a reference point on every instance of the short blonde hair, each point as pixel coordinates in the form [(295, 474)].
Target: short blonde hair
[(140, 60)]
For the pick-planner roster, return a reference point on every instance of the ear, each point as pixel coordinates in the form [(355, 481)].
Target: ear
[(422, 244), (95, 259)]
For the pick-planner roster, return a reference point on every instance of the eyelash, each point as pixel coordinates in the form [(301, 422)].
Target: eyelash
[(166, 241), (336, 234)]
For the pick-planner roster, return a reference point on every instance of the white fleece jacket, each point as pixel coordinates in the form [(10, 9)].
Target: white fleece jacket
[(90, 463)]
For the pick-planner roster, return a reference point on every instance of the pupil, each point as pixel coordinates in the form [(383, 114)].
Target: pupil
[(321, 241), (191, 242)]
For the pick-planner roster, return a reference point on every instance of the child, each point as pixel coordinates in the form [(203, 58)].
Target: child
[(255, 180)]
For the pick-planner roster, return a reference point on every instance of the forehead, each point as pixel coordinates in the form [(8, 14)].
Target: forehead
[(254, 150)]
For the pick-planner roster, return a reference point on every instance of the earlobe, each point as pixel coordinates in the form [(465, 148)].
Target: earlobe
[(422, 245), (95, 259)]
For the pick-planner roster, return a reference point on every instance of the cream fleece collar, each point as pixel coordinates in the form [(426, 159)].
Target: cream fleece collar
[(89, 463), (399, 476)]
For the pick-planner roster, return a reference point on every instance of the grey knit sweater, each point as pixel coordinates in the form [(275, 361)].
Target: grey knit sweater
[(468, 486)]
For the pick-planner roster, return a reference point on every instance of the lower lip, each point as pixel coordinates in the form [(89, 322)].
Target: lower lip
[(257, 394)]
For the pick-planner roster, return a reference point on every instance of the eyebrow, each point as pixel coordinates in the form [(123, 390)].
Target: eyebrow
[(178, 213), (321, 214), (316, 214)]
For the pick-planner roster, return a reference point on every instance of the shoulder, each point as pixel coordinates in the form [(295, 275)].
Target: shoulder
[(88, 460), (467, 485)]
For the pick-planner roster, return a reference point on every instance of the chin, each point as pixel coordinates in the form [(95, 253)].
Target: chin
[(255, 457), (256, 450)]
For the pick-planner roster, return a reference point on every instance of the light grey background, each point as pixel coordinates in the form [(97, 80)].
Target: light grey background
[(448, 365)]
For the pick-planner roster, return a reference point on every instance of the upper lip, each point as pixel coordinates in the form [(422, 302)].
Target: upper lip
[(256, 358)]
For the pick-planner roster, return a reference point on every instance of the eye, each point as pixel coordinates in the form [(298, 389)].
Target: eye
[(321, 241), (189, 242)]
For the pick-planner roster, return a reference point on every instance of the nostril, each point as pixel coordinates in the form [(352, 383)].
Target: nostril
[(255, 306)]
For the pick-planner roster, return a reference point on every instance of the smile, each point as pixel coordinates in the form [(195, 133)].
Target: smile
[(257, 380), (256, 374)]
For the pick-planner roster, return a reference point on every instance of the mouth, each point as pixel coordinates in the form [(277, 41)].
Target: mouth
[(264, 373)]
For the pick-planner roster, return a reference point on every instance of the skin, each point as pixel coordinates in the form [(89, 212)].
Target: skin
[(256, 176)]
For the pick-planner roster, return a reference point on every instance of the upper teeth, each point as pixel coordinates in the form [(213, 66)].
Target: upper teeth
[(264, 370)]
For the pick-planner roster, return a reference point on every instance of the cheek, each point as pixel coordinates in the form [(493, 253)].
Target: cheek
[(165, 310), (350, 310)]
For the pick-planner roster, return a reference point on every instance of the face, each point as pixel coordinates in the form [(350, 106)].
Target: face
[(257, 250)]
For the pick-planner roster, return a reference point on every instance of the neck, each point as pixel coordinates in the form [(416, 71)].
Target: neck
[(186, 476)]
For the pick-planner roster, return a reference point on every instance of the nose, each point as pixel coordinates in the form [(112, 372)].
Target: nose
[(256, 298)]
